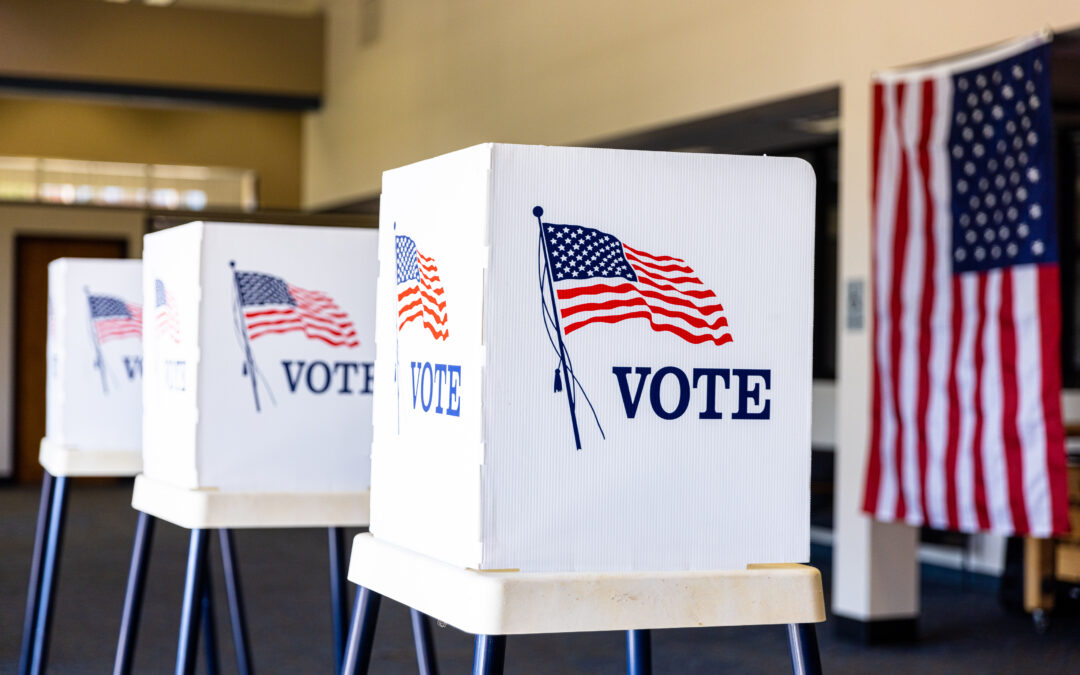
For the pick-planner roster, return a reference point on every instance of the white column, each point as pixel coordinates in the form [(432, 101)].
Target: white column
[(875, 569)]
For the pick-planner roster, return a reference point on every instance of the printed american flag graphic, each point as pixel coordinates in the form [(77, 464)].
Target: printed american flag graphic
[(166, 319), (272, 306), (600, 279), (114, 319), (966, 426), (420, 290)]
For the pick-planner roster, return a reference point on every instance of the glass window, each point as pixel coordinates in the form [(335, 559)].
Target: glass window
[(159, 186)]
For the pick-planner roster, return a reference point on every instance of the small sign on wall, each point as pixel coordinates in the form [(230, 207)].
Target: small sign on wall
[(855, 304)]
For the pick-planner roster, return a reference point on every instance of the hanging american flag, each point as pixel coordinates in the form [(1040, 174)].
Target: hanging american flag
[(420, 290), (114, 319), (600, 279), (271, 305), (166, 319), (966, 414)]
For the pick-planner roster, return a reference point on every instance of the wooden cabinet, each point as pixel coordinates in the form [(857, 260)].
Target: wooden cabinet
[(1047, 561)]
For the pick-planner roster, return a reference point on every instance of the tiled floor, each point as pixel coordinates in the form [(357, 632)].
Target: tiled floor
[(963, 628)]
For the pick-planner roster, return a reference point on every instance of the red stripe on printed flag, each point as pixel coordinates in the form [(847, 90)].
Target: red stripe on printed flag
[(423, 300), (118, 328), (315, 314), (668, 294)]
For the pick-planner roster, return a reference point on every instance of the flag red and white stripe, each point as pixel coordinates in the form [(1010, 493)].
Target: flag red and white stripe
[(116, 328), (314, 313), (668, 294), (599, 279), (966, 427), (421, 296)]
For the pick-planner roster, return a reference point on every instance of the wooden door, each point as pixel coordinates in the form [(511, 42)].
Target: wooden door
[(32, 258)]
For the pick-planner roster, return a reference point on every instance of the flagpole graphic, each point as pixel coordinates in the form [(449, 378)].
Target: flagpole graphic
[(249, 365), (567, 374), (99, 360)]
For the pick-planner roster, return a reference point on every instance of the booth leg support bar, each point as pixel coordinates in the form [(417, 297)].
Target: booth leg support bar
[(805, 658), (339, 597), (236, 602), (33, 589), (193, 594), (638, 652), (50, 562), (129, 622), (425, 645), (361, 633), (489, 655)]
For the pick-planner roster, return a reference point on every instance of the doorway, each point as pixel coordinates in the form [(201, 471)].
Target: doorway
[(32, 258)]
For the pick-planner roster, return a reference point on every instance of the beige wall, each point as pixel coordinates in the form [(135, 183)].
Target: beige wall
[(268, 142), (440, 76), (59, 221), (90, 40)]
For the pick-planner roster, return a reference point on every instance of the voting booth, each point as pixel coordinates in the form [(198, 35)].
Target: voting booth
[(595, 360), (93, 413), (593, 410), (260, 358)]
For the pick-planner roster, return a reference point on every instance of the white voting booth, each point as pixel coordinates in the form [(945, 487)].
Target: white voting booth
[(593, 402), (93, 413), (259, 373), (612, 368), (93, 410), (259, 361)]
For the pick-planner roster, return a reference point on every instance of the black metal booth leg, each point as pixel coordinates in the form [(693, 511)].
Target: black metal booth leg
[(33, 589), (234, 592), (129, 621), (425, 645), (805, 658), (489, 655), (361, 632), (209, 625), (193, 593), (339, 597), (50, 563), (638, 652)]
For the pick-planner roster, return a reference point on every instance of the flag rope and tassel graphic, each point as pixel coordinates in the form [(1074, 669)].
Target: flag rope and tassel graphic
[(99, 361), (566, 380), (268, 305), (110, 319), (966, 426), (592, 277)]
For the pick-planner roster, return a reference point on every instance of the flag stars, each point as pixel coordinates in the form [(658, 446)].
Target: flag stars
[(1037, 247)]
